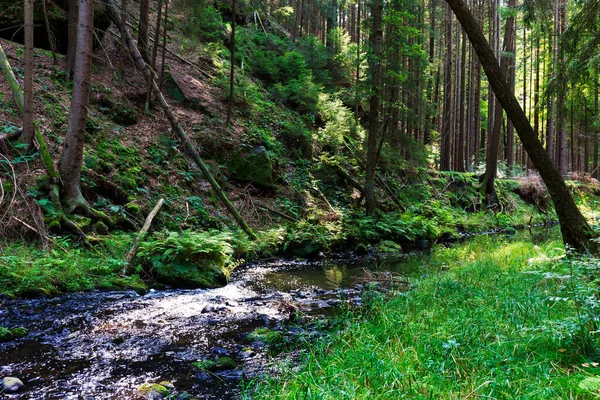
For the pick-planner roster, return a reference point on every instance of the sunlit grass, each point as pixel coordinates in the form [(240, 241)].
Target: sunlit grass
[(485, 328)]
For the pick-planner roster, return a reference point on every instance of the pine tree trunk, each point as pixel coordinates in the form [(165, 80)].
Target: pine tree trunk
[(28, 129), (447, 126), (143, 29), (374, 66), (575, 230), (71, 159), (596, 128), (72, 36), (231, 67)]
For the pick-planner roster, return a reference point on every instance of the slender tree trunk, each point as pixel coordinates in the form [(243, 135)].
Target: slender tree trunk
[(376, 39), (232, 67), (561, 112), (154, 52), (49, 33), (460, 152), (143, 29), (71, 158), (161, 80), (596, 128), (28, 129), (494, 141), (575, 230), (447, 125)]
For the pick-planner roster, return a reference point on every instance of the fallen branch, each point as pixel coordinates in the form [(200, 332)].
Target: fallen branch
[(177, 128), (142, 233), (340, 171)]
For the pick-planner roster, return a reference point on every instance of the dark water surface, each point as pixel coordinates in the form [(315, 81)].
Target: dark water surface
[(103, 345)]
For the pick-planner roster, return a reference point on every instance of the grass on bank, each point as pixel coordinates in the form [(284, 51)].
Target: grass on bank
[(505, 321)]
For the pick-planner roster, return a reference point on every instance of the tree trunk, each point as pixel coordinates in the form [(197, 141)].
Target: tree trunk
[(561, 108), (447, 117), (143, 28), (494, 137), (232, 67), (161, 79), (71, 158), (154, 52), (596, 128), (575, 230), (374, 66), (49, 33), (72, 33), (28, 130)]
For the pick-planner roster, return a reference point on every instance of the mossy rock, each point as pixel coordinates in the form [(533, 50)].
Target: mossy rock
[(153, 391), (134, 209), (101, 228), (188, 274), (265, 335), (6, 334), (254, 166), (125, 181), (221, 363)]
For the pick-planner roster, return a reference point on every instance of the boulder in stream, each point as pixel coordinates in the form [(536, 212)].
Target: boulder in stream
[(11, 385), (154, 391)]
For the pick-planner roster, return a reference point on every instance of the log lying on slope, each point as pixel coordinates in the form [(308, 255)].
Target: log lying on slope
[(177, 128)]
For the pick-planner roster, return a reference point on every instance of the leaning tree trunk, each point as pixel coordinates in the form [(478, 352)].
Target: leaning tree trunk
[(575, 230), (71, 158)]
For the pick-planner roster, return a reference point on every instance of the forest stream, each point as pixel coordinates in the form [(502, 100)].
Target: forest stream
[(104, 345)]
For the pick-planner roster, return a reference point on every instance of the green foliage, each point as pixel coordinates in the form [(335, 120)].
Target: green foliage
[(190, 245), (339, 123), (275, 60), (204, 22)]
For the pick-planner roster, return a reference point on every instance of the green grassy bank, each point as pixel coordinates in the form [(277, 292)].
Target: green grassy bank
[(503, 321)]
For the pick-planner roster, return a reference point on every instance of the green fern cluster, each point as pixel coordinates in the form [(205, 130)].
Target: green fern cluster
[(195, 246)]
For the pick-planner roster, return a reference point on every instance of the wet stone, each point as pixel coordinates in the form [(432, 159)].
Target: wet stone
[(11, 385), (219, 351)]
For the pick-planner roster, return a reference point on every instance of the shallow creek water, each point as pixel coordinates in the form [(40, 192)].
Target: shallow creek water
[(103, 345)]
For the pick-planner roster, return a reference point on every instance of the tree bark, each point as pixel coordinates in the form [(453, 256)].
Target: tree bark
[(232, 67), (491, 196), (447, 117), (49, 33), (72, 33), (28, 130), (143, 28), (154, 52), (376, 39), (71, 158), (575, 230)]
